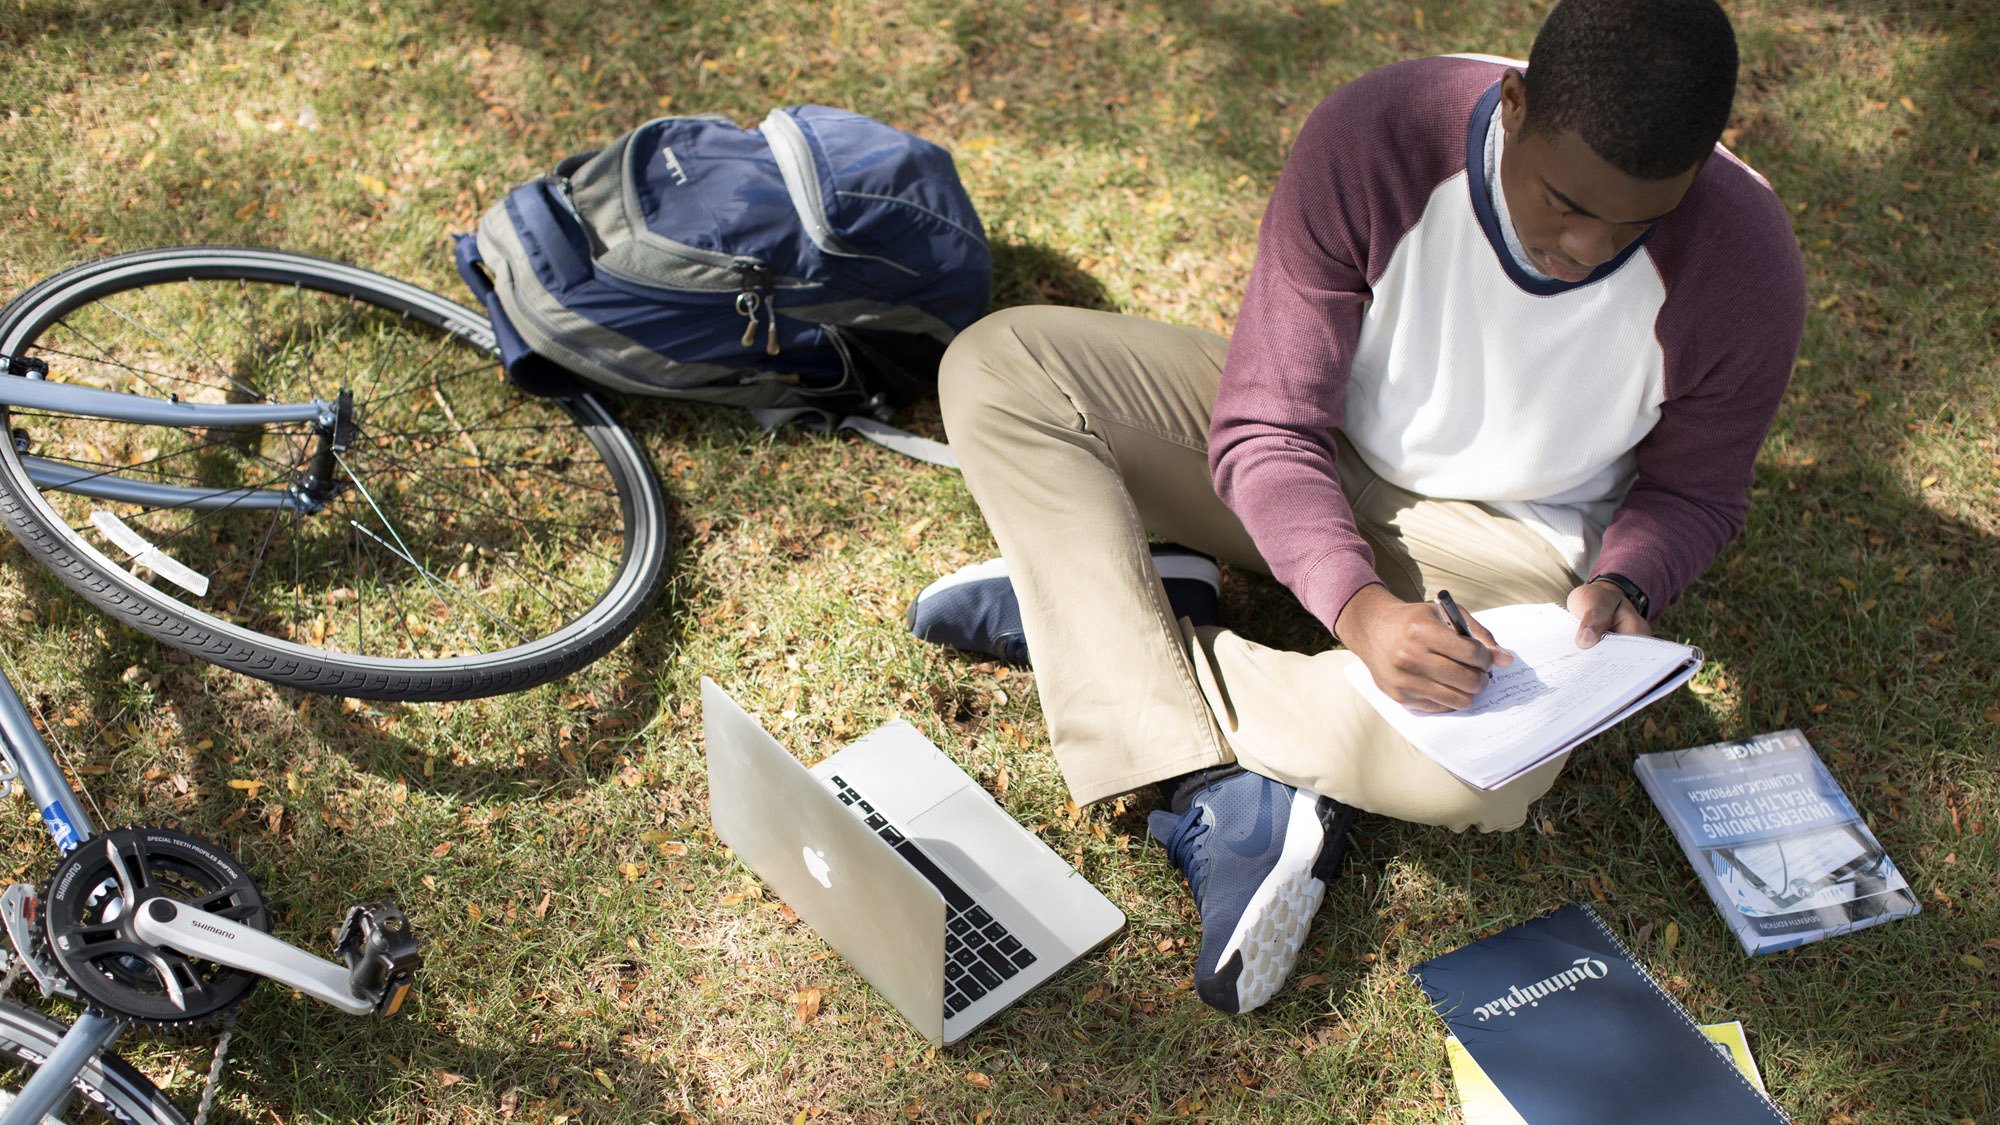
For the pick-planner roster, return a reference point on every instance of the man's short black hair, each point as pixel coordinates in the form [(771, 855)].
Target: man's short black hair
[(1646, 83)]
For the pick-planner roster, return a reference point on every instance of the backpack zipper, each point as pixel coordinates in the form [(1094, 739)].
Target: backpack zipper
[(757, 294)]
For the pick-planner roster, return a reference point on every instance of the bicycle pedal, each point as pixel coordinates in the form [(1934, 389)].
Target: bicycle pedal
[(381, 949)]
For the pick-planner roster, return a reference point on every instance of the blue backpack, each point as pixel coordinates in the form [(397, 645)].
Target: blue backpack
[(822, 261)]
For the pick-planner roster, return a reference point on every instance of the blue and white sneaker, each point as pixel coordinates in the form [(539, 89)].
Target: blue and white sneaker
[(974, 607), (1257, 855)]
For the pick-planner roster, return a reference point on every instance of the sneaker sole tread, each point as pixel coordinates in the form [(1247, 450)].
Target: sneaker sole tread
[(1278, 916)]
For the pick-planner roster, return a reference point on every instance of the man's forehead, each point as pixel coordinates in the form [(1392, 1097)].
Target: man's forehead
[(1585, 182)]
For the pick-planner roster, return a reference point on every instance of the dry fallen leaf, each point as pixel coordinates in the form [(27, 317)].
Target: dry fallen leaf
[(805, 1004)]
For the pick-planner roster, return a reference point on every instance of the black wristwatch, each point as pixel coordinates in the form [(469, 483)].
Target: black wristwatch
[(1627, 587)]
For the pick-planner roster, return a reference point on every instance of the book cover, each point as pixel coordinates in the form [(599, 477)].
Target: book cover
[(1573, 1031), (1781, 850), (1480, 1102)]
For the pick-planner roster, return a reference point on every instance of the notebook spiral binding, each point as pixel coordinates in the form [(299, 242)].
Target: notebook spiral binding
[(1647, 975)]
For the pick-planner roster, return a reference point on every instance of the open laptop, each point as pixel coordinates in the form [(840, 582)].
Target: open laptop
[(902, 863)]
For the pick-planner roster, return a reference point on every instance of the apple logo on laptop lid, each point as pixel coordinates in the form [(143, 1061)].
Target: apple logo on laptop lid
[(816, 864)]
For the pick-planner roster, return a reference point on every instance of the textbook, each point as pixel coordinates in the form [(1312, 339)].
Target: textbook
[(1552, 699), (1480, 1102), (1780, 848), (1571, 1030)]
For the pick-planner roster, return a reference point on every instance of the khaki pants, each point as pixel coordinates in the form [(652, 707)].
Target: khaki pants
[(1083, 432)]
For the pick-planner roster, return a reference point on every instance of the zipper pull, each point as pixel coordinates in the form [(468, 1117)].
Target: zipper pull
[(746, 305), (771, 340)]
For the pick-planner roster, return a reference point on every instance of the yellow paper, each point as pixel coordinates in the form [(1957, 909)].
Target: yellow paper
[(1483, 1103)]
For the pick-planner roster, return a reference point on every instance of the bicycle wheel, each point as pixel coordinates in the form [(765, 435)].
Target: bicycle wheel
[(465, 539), (107, 1090)]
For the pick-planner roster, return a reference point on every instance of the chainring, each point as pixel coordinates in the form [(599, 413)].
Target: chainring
[(97, 890)]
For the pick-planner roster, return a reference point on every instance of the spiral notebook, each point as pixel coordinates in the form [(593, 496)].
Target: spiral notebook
[(1553, 698), (1574, 1031)]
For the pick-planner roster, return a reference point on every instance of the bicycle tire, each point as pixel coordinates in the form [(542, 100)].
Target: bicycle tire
[(108, 1084), (596, 528)]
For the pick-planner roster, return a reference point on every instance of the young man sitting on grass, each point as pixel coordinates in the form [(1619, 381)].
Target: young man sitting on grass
[(1517, 335)]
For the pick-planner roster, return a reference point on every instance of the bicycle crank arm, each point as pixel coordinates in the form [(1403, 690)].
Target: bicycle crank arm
[(210, 937)]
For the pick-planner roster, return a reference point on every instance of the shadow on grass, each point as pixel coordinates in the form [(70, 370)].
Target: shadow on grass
[(1888, 286), (1033, 273), (33, 18)]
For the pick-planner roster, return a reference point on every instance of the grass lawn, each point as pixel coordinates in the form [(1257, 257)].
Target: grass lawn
[(595, 955)]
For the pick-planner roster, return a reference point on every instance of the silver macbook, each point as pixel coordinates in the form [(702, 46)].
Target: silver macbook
[(904, 864)]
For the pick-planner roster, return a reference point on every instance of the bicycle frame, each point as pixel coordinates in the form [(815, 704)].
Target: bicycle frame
[(214, 938), (28, 760), (34, 393)]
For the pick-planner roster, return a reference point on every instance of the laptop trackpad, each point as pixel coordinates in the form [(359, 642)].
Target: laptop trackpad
[(968, 832)]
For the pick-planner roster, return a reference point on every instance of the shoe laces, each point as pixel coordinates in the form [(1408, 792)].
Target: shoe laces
[(1187, 852)]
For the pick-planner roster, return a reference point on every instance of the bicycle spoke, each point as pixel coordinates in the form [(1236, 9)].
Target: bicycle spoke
[(147, 374), (120, 314), (360, 611), (423, 370), (210, 513), (263, 545), (528, 468), (403, 464), (409, 506), (250, 332), (451, 378), (514, 563), (469, 499), (195, 343), (525, 427), (509, 406), (436, 582)]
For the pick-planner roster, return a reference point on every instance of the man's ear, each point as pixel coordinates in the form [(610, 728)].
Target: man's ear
[(1513, 103)]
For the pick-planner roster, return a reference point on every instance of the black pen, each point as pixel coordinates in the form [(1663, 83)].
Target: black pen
[(1453, 614), (1456, 616)]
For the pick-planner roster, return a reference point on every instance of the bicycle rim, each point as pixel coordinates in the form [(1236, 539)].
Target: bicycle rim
[(475, 540), (106, 1090)]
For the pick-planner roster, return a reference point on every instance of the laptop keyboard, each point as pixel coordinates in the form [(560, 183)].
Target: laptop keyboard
[(979, 953)]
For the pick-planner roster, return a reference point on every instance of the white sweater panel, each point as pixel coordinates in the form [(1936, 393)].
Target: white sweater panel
[(1466, 387)]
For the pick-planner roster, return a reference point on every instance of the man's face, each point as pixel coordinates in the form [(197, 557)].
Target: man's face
[(1572, 210)]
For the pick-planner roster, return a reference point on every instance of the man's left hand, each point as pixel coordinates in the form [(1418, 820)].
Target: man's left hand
[(1600, 608)]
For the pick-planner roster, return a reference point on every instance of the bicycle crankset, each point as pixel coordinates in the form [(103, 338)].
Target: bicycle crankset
[(91, 917)]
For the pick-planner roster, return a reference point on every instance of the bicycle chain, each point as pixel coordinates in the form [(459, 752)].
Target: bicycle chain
[(214, 1080)]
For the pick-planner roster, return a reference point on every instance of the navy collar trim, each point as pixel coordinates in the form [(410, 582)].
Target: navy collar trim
[(1482, 206)]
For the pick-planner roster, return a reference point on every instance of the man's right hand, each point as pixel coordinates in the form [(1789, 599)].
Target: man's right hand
[(1415, 655)]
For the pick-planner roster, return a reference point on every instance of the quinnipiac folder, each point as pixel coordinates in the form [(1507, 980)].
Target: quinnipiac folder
[(1574, 1031)]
